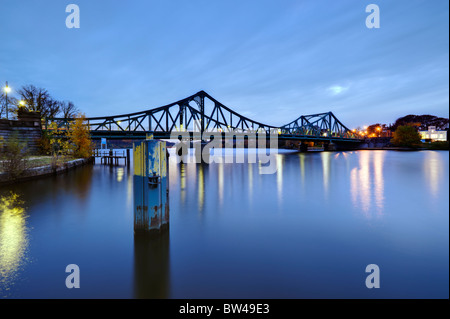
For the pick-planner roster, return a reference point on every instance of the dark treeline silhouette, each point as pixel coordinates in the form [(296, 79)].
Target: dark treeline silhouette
[(421, 122), (37, 100)]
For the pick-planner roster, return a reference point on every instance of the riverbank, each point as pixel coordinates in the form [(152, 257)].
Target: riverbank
[(394, 148), (44, 170)]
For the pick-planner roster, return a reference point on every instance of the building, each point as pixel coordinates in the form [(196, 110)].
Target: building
[(386, 132), (433, 135)]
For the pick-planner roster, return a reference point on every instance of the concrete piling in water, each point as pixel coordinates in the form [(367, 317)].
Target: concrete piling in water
[(303, 147), (151, 187), (329, 146)]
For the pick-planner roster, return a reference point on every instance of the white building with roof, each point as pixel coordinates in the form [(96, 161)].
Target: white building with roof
[(433, 135)]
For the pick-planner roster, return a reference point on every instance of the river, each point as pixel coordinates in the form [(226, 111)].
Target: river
[(307, 231)]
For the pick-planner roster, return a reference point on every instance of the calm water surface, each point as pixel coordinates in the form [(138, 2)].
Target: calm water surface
[(307, 231)]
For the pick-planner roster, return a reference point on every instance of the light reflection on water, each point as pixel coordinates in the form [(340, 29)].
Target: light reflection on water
[(367, 183), (432, 168), (307, 231), (13, 240), (279, 159), (378, 162), (326, 157)]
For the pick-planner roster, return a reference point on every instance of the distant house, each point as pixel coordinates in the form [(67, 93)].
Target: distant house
[(433, 135), (386, 132)]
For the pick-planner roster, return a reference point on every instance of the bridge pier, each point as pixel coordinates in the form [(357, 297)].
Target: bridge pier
[(329, 146), (151, 187), (303, 147)]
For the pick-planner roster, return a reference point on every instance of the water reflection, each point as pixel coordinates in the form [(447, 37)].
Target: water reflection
[(201, 187), (13, 240), (280, 160), (220, 182), (81, 178), (302, 167), (250, 182), (326, 162), (432, 167), (151, 267), (130, 190), (378, 162), (363, 191), (120, 173), (183, 181), (230, 237)]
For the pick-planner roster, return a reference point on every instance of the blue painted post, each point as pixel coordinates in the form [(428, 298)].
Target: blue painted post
[(151, 205)]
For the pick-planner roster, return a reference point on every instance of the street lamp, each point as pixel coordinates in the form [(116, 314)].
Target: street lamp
[(22, 104), (7, 89)]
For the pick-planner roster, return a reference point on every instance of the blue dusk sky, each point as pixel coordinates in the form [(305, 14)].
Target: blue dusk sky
[(269, 60)]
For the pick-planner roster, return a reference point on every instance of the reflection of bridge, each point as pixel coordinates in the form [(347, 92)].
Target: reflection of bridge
[(202, 113)]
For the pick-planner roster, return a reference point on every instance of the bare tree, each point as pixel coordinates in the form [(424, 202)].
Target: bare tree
[(52, 108), (39, 100), (68, 109), (2, 104), (12, 105)]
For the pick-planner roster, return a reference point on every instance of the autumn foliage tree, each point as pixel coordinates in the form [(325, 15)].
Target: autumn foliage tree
[(79, 138)]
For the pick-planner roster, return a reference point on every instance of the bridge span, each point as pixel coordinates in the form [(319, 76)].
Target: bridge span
[(201, 113)]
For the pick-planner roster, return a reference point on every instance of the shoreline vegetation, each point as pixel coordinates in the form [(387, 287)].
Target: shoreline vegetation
[(59, 149), (42, 166)]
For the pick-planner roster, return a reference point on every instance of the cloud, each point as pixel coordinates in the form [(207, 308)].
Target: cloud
[(337, 89)]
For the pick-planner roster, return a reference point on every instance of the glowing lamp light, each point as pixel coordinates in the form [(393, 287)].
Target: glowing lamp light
[(7, 89), (22, 103)]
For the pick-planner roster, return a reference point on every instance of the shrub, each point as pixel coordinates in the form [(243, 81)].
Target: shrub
[(13, 156), (44, 145)]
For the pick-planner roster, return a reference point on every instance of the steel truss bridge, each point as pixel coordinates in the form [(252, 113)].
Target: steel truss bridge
[(201, 113)]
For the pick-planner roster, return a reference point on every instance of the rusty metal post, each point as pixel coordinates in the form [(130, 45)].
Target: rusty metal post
[(151, 205)]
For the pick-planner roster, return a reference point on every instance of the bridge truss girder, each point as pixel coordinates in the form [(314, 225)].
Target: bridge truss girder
[(191, 114)]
